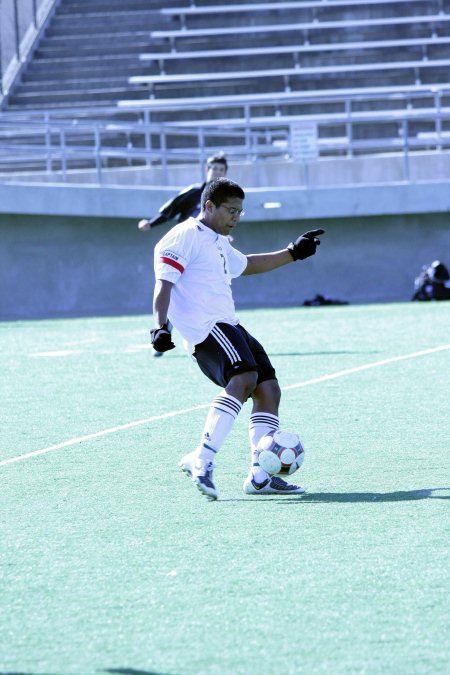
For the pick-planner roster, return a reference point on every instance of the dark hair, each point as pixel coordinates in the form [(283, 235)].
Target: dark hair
[(219, 190), (217, 159)]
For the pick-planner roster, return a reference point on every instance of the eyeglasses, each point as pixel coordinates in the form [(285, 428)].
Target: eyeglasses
[(233, 211)]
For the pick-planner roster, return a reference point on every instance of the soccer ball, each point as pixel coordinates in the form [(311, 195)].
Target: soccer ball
[(280, 452)]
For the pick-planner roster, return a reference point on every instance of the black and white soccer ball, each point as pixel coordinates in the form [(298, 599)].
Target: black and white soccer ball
[(280, 452)]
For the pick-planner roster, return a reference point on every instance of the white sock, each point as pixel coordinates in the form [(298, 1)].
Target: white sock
[(219, 422), (259, 425)]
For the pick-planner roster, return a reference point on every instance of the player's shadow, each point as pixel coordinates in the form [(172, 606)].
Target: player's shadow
[(366, 497), (326, 353), (116, 671), (349, 497), (131, 671)]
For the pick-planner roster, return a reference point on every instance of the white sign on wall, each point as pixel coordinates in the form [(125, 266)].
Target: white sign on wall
[(304, 141)]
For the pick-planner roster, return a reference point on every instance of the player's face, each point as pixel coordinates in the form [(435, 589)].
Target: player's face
[(215, 170), (222, 219)]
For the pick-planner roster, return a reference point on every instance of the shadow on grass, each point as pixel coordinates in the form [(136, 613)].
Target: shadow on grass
[(117, 671), (130, 671), (350, 497), (367, 497), (327, 353)]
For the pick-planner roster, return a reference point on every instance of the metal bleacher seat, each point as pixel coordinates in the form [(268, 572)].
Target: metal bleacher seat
[(224, 65), (289, 74), (394, 41), (193, 10), (421, 45), (299, 27)]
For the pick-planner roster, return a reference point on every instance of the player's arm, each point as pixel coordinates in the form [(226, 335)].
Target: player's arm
[(303, 247), (146, 224), (160, 335), (168, 211)]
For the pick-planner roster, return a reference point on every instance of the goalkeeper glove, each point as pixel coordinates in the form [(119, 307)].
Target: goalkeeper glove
[(161, 339), (305, 245)]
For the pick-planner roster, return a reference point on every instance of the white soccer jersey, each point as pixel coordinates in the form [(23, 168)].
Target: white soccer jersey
[(201, 264)]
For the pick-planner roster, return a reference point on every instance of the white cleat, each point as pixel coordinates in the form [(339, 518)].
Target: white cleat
[(272, 485), (200, 473)]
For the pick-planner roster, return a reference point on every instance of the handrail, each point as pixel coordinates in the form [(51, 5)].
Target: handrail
[(96, 142)]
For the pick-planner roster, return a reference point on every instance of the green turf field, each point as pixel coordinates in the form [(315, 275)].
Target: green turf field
[(111, 560)]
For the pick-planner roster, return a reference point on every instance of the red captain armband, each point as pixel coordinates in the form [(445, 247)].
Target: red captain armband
[(173, 263)]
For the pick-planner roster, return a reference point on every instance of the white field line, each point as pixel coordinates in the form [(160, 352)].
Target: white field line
[(60, 352), (184, 411), (366, 366)]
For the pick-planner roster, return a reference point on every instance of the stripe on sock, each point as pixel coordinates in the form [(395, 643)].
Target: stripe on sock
[(264, 419), (227, 404), (209, 447)]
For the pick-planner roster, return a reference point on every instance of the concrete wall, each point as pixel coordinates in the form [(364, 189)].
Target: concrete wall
[(57, 265), (268, 174)]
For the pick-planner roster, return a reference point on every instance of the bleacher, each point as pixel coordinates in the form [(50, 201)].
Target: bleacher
[(352, 66)]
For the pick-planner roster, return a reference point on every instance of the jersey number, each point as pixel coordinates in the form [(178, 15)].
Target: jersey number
[(224, 263)]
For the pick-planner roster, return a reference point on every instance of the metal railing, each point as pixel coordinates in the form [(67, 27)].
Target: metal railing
[(60, 142)]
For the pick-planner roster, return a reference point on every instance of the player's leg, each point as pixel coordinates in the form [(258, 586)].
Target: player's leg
[(224, 357), (264, 418)]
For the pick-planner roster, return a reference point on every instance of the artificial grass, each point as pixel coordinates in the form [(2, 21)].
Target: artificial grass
[(111, 561)]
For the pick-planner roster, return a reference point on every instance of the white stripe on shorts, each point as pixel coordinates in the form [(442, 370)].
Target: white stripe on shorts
[(225, 343)]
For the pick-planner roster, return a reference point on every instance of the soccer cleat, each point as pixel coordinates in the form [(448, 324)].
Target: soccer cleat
[(272, 485), (187, 462), (200, 473)]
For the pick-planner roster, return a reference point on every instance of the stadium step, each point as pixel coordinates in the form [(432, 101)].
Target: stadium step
[(112, 47), (66, 85), (101, 25), (82, 97), (112, 5), (96, 6)]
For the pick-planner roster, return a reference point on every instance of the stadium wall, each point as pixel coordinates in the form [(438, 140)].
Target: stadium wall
[(58, 265)]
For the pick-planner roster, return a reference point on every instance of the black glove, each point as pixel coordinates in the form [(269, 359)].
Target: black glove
[(305, 245), (161, 339)]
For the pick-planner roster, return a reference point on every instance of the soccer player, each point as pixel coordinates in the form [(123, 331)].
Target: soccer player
[(194, 265), (187, 203)]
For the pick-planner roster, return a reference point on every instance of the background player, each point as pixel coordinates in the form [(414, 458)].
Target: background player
[(187, 202)]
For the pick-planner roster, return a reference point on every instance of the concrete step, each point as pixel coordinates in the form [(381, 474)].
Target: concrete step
[(53, 75), (97, 6), (66, 49), (71, 64), (101, 84), (81, 41), (111, 5), (103, 97), (102, 24)]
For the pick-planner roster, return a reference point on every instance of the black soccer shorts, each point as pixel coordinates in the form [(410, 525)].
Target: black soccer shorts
[(229, 350)]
